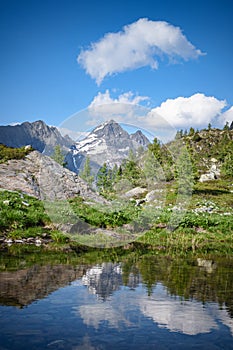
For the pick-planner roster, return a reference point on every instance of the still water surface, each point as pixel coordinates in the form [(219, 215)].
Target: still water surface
[(129, 302)]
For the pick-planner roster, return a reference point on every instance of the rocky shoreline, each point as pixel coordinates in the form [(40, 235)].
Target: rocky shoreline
[(44, 239)]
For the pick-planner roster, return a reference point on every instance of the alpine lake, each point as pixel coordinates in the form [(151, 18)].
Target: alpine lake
[(114, 299)]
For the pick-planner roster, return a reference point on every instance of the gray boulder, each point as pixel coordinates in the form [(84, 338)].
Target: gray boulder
[(136, 193), (40, 176), (151, 196), (213, 173)]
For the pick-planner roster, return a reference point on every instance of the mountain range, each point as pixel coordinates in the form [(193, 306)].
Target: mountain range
[(39, 135), (108, 143)]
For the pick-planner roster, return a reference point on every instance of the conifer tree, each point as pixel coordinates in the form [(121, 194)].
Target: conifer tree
[(184, 172), (152, 168), (132, 172), (191, 131), (104, 181), (85, 174), (226, 126), (58, 156), (155, 148)]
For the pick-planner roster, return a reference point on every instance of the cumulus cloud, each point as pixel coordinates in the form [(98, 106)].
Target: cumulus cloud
[(162, 121), (125, 98), (75, 135), (186, 317), (125, 108), (139, 44), (227, 116), (197, 110)]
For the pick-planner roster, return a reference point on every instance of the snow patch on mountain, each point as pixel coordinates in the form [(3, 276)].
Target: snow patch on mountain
[(108, 143)]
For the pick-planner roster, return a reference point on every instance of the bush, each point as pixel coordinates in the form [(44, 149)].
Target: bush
[(59, 237), (99, 217), (7, 153), (18, 211)]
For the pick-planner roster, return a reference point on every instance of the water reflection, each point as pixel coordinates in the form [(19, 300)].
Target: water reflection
[(133, 302), (187, 317), (107, 278), (22, 287), (172, 312)]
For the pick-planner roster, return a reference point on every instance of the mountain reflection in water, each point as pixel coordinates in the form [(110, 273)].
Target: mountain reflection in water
[(107, 302), (106, 278)]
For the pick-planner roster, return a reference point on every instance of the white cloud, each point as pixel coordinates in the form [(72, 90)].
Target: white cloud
[(93, 315), (197, 110), (162, 121), (125, 98), (75, 135), (125, 108), (187, 317), (182, 316), (182, 112), (139, 44), (227, 116)]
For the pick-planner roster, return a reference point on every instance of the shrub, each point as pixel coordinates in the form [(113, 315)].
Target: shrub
[(98, 216), (59, 237), (18, 211), (7, 153)]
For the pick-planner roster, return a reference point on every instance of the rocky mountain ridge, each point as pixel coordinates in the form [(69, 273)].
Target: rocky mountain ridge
[(108, 143), (39, 135), (208, 148)]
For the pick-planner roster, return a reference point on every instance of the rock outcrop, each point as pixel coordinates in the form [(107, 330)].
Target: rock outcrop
[(137, 192), (213, 173), (40, 176), (40, 136)]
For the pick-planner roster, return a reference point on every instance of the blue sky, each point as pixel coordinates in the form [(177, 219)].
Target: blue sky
[(61, 57)]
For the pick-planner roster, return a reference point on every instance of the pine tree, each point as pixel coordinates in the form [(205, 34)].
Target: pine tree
[(131, 156), (104, 181), (191, 131), (85, 174), (152, 169), (226, 126), (132, 172), (114, 173), (58, 156), (178, 135), (184, 172), (155, 148)]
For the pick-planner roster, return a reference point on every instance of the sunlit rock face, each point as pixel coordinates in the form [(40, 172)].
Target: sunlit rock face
[(40, 176), (108, 143)]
